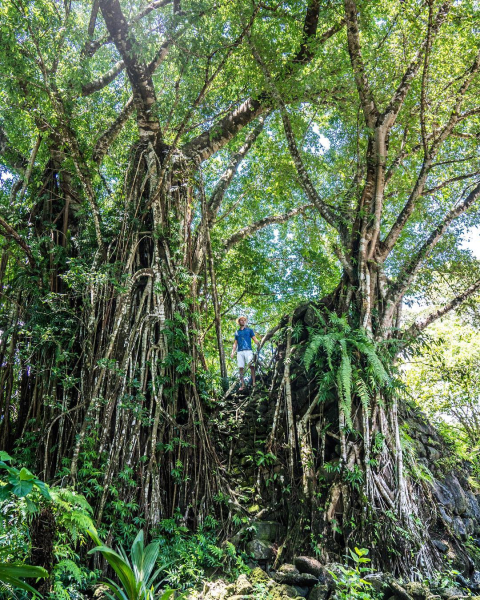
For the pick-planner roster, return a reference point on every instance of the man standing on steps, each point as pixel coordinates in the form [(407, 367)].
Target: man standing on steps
[(243, 347)]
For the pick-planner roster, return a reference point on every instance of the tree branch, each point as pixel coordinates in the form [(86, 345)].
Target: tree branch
[(108, 137), (9, 232), (93, 18), (421, 324), (14, 159), (29, 169), (367, 100), (209, 142), (310, 26), (138, 72), (241, 234), (92, 46), (448, 181), (409, 270), (213, 205), (388, 244), (104, 80), (226, 179), (391, 112)]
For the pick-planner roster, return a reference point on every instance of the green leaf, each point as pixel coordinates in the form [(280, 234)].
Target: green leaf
[(6, 491), (25, 475), (22, 488), (43, 488)]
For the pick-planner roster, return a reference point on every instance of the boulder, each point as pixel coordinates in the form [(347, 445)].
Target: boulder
[(260, 550), (399, 591), (459, 528), (445, 593), (319, 592), (101, 592), (269, 530), (473, 508), (243, 586), (433, 453), (287, 568), (307, 564), (258, 576), (276, 591), (446, 518), (420, 449), (377, 581), (302, 591), (417, 590), (451, 494), (440, 545), (299, 579), (443, 495), (469, 526), (217, 590)]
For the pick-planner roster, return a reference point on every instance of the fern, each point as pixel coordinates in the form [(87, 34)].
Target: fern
[(69, 568), (345, 372), (348, 363), (363, 393), (312, 349), (378, 369)]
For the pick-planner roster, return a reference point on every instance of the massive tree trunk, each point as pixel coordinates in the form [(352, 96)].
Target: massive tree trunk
[(118, 410), (348, 447)]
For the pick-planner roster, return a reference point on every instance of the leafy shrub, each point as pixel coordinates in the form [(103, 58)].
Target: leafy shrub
[(25, 496), (189, 555), (349, 580)]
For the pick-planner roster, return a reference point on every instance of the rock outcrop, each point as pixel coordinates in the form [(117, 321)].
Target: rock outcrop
[(258, 585), (242, 425)]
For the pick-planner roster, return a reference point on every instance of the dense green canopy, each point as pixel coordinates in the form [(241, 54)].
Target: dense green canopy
[(168, 165)]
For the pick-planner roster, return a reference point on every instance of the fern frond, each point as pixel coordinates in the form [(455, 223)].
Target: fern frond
[(317, 341), (363, 393), (345, 372), (378, 369)]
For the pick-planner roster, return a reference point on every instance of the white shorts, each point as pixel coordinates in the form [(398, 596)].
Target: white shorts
[(244, 357)]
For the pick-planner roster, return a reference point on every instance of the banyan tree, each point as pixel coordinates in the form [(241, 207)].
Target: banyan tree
[(125, 128)]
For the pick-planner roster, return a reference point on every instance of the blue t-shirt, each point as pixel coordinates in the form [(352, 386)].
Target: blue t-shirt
[(244, 339)]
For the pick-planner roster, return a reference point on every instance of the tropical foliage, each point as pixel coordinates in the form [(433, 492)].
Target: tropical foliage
[(168, 165), (138, 575)]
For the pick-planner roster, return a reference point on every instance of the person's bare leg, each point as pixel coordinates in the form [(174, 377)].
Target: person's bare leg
[(252, 371), (242, 382)]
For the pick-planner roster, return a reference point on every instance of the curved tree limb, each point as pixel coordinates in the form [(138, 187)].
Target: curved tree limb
[(421, 324), (226, 179), (9, 232), (29, 169), (411, 268), (213, 205), (221, 132), (207, 143), (93, 45), (387, 245), (369, 107), (241, 234), (108, 137), (93, 18), (138, 72), (391, 112), (104, 80)]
